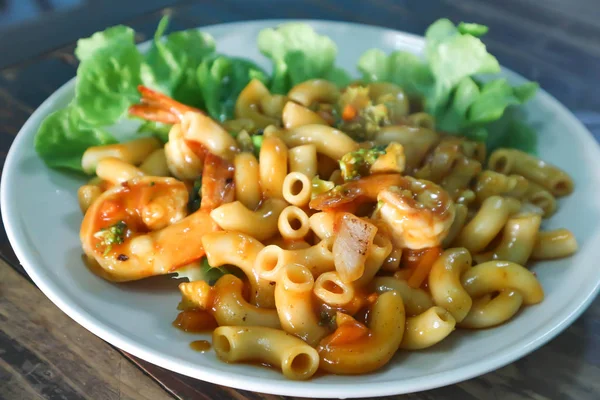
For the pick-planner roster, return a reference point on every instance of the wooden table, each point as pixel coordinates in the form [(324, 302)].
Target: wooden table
[(44, 354)]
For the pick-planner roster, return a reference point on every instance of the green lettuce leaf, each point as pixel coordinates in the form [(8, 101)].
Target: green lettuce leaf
[(400, 67), (160, 70), (106, 86), (107, 39), (110, 71), (526, 91), (493, 99), (192, 46), (520, 136), (170, 64), (452, 57), (513, 132), (472, 29), (221, 79), (340, 77), (447, 80), (107, 83), (438, 32), (63, 138), (298, 54)]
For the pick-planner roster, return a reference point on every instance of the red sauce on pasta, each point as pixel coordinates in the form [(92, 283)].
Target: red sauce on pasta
[(195, 321), (201, 346)]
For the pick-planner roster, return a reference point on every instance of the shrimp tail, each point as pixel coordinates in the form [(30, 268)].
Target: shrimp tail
[(183, 240), (160, 100), (152, 113), (217, 182), (155, 106)]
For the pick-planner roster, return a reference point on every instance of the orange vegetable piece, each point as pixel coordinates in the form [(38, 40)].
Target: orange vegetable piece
[(349, 113), (423, 266), (348, 331)]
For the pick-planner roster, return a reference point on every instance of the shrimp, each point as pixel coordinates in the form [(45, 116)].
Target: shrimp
[(217, 183), (353, 192), (192, 136), (183, 160), (140, 229), (155, 106), (419, 213)]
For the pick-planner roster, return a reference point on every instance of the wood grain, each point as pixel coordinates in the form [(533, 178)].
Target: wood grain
[(45, 354)]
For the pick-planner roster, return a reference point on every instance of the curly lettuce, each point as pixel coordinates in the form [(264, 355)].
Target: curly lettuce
[(63, 138), (298, 54), (170, 65), (448, 79), (107, 84), (184, 65), (221, 79), (400, 67), (107, 39), (111, 67)]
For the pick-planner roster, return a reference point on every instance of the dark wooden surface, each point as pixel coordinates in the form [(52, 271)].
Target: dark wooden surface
[(45, 355)]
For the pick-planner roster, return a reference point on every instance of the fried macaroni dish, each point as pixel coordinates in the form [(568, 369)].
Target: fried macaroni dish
[(332, 228)]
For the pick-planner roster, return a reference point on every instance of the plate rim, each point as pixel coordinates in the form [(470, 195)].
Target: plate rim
[(237, 380)]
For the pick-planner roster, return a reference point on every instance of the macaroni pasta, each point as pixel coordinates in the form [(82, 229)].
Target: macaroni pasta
[(324, 228)]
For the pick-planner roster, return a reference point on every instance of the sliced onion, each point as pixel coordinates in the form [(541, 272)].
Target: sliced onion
[(351, 246)]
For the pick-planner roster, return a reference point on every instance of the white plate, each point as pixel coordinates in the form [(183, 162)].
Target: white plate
[(42, 217)]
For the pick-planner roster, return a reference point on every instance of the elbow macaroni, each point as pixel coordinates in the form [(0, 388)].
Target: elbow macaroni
[(297, 189), (232, 248), (426, 329), (295, 115), (293, 298), (374, 350), (554, 244), (264, 195), (303, 159), (329, 141), (116, 171), (293, 223), (493, 276), (332, 290), (155, 164), (317, 258), (86, 195), (487, 311), (273, 166), (296, 359), (133, 152), (487, 223), (247, 180), (230, 308), (261, 224), (313, 91), (518, 239), (445, 284), (555, 180), (248, 104)]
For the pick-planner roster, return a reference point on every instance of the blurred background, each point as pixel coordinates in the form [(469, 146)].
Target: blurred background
[(554, 42)]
